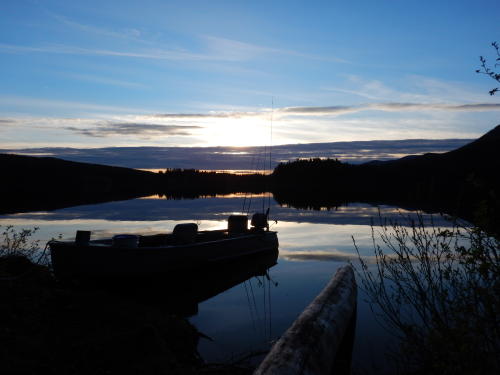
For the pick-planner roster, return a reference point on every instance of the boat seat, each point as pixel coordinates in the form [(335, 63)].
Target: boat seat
[(237, 224), (184, 234)]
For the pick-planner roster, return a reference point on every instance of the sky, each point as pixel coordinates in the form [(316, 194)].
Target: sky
[(91, 74)]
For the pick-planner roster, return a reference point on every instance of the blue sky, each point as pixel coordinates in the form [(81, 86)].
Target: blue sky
[(189, 73)]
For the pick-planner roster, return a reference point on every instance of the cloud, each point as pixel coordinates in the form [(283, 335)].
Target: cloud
[(231, 157), (17, 101), (315, 111), (479, 107), (339, 110), (213, 48), (226, 114), (105, 80), (144, 130), (237, 50), (223, 50), (419, 89), (7, 121), (319, 111), (152, 54), (127, 34), (389, 107)]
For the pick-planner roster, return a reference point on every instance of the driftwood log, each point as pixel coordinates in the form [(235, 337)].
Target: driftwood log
[(320, 340)]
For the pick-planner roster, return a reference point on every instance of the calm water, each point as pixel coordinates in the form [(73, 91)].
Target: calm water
[(247, 317)]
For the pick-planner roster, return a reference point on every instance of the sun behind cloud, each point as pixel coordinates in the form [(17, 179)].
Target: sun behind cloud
[(238, 132)]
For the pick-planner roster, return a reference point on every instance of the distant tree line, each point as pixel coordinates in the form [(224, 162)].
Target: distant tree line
[(192, 183)]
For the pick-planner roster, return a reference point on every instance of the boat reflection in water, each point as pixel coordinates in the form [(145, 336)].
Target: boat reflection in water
[(183, 292), (180, 292)]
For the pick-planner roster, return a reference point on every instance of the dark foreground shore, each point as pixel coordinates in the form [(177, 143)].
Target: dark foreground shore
[(50, 328)]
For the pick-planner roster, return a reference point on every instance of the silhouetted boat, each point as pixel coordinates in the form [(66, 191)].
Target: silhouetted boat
[(185, 249)]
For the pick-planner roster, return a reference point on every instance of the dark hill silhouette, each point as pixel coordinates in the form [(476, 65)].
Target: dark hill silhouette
[(463, 182), (473, 165), (37, 183), (481, 155), (483, 147), (44, 183)]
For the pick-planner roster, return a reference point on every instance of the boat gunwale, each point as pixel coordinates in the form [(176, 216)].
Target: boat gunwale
[(96, 243)]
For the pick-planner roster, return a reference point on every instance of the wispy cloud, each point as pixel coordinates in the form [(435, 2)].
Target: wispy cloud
[(339, 110), (143, 130), (229, 51), (237, 50), (132, 34), (152, 54), (224, 48), (225, 114), (213, 48), (418, 89), (6, 121), (30, 103), (105, 80), (390, 107)]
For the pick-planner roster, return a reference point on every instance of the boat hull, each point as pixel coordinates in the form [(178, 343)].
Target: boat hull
[(96, 259)]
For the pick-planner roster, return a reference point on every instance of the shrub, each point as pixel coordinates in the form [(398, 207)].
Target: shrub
[(19, 243), (438, 290)]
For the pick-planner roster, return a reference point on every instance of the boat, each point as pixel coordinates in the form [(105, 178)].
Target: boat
[(129, 256)]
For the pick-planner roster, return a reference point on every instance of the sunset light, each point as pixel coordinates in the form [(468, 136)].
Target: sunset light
[(249, 187)]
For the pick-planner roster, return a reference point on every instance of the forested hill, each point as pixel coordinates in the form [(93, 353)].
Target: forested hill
[(465, 181), (44, 182), (475, 165)]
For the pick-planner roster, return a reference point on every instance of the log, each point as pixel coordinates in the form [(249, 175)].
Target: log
[(321, 331)]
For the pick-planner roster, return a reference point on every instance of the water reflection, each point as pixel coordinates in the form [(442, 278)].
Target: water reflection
[(241, 316), (217, 209), (181, 293)]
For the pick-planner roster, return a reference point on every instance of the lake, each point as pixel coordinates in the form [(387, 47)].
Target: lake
[(249, 316)]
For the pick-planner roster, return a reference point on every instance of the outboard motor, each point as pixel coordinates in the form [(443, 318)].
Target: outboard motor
[(259, 221)]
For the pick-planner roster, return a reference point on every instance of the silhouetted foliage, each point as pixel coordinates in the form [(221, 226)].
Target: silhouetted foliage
[(438, 290), (18, 242), (302, 173), (192, 183), (485, 69)]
